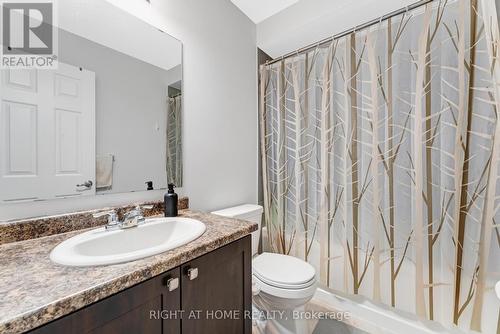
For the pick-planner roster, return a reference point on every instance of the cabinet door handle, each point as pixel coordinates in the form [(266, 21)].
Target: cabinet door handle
[(172, 284), (192, 273)]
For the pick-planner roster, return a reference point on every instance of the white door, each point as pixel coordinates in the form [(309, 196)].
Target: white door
[(47, 133)]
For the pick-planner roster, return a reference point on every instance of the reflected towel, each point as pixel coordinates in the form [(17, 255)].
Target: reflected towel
[(104, 171)]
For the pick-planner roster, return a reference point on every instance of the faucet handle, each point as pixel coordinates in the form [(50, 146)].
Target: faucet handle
[(104, 213), (112, 216), (139, 209), (144, 207)]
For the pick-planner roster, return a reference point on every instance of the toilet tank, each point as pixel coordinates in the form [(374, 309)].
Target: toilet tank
[(249, 212)]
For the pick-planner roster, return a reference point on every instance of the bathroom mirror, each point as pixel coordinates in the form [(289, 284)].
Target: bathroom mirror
[(107, 119)]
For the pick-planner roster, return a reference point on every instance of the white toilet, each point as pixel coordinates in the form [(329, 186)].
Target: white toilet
[(282, 284)]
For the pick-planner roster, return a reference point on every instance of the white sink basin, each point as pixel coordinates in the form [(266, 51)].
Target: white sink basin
[(101, 247)]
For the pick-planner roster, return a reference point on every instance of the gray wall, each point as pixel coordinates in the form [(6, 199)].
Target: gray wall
[(262, 57), (497, 3), (131, 102)]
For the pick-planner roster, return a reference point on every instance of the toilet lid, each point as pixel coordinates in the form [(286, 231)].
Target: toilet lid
[(283, 271)]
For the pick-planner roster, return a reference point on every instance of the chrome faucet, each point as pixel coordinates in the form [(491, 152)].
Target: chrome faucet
[(133, 218), (113, 221)]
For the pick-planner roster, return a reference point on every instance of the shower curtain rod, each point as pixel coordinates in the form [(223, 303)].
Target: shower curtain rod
[(347, 32)]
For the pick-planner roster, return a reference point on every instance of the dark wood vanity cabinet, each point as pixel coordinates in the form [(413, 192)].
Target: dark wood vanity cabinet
[(125, 312), (213, 296), (221, 293)]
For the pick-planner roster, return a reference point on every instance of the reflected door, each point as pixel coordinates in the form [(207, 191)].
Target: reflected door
[(47, 133)]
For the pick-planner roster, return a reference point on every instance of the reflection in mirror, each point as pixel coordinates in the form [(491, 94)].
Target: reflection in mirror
[(107, 120), (174, 138)]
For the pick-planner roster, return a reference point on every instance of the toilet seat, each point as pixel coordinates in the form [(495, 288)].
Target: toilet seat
[(284, 276), (304, 293)]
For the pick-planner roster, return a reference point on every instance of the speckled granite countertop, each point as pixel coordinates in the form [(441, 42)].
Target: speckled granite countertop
[(34, 291)]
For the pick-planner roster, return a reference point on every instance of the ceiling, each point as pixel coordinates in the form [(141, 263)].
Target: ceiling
[(259, 10), (309, 21)]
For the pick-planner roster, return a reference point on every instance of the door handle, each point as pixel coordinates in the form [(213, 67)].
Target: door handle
[(87, 184), (192, 273)]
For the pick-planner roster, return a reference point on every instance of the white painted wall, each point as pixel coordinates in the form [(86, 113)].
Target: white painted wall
[(310, 21), (220, 96), (69, 205)]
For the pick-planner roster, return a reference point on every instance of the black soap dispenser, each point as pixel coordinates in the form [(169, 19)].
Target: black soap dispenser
[(170, 204)]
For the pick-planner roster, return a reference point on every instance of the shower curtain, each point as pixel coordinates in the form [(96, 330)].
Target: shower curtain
[(380, 158), (174, 141)]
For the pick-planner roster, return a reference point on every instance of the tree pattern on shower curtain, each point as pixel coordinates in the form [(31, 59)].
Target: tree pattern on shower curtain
[(380, 156)]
